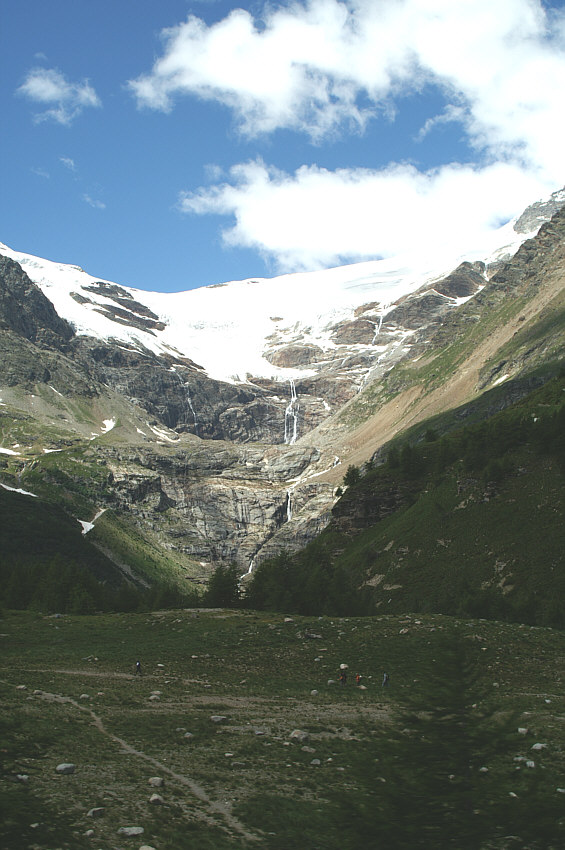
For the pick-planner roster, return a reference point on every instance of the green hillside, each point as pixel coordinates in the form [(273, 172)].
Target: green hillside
[(469, 523)]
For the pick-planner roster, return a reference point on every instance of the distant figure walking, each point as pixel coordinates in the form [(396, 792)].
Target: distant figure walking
[(138, 668), (385, 680), (343, 674), (358, 678)]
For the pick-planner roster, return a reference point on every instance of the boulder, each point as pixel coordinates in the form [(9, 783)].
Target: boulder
[(65, 768), (130, 831), (299, 735), (95, 813)]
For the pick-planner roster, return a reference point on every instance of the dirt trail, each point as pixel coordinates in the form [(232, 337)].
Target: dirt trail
[(216, 807)]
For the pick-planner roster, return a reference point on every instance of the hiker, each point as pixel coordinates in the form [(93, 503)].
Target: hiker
[(385, 680), (343, 677), (138, 668), (358, 678)]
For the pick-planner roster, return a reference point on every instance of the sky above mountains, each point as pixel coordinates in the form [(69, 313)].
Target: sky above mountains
[(172, 145)]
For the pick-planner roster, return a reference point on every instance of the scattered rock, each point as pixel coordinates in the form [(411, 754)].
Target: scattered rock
[(130, 831), (308, 749), (188, 735), (84, 696), (314, 693), (89, 833), (156, 781), (299, 735), (156, 799), (22, 777), (96, 813), (522, 730), (154, 698), (530, 763), (65, 767), (21, 687), (218, 718), (315, 762), (539, 747)]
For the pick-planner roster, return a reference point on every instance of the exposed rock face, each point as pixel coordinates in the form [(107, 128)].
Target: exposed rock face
[(203, 464), (219, 503), (295, 355), (26, 311), (361, 331)]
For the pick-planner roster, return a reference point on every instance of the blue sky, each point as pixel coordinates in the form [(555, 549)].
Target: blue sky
[(169, 145)]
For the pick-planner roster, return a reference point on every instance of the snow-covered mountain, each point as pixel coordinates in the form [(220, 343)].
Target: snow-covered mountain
[(219, 421), (255, 319)]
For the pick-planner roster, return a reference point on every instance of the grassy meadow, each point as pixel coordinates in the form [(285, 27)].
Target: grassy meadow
[(446, 756)]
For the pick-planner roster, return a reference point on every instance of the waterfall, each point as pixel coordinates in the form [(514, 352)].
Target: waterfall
[(249, 570), (189, 401), (288, 505), (378, 327), (291, 417)]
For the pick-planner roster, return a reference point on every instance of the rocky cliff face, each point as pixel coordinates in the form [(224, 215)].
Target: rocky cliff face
[(224, 472), (26, 311)]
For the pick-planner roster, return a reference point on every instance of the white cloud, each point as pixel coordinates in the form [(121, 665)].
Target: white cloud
[(326, 66), (92, 202), (318, 218), (41, 172), (68, 162), (64, 100)]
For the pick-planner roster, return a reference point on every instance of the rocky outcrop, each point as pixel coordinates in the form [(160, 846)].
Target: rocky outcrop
[(26, 311), (295, 355), (218, 503), (201, 465)]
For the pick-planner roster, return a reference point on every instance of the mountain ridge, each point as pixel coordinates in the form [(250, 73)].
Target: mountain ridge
[(208, 472)]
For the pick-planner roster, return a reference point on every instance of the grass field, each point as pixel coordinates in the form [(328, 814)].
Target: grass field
[(446, 756)]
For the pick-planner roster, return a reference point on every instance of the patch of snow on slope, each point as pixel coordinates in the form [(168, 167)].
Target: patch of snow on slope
[(18, 490), (8, 451), (107, 425), (162, 434), (88, 526)]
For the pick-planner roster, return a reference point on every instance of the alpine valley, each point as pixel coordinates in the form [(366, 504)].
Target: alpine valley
[(147, 439)]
